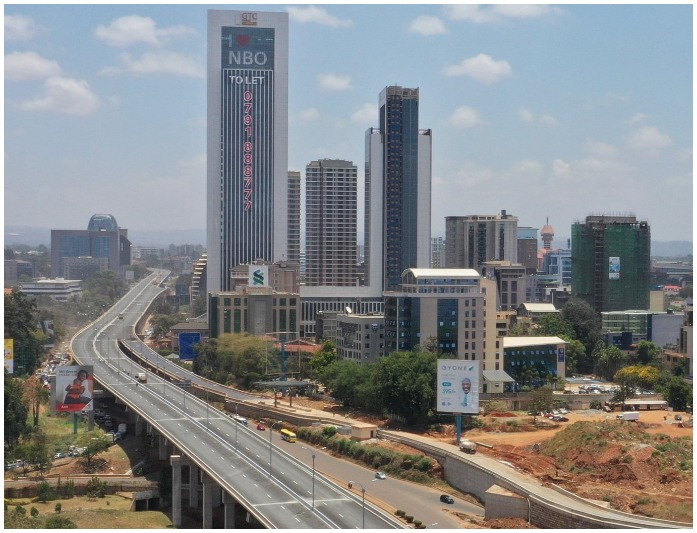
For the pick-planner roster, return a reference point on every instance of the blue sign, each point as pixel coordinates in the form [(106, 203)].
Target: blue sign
[(186, 345)]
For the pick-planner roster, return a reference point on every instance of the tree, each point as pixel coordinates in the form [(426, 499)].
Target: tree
[(16, 411), (647, 353), (678, 393), (35, 395), (554, 325), (35, 451), (324, 357), (575, 354), (585, 323), (345, 381), (93, 442), (541, 402), (405, 384), (20, 321), (609, 360)]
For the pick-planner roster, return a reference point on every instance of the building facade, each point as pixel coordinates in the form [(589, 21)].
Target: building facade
[(331, 207), (454, 307), (510, 283), (102, 239), (398, 190), (360, 338), (294, 217), (472, 240), (527, 248), (247, 198), (611, 260), (531, 361), (437, 252)]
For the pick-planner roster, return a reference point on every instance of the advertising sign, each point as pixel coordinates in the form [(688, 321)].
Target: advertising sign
[(187, 340), (74, 389), (259, 276), (614, 268), (458, 386), (9, 355)]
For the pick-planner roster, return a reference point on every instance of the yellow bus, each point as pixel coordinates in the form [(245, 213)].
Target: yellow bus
[(287, 435)]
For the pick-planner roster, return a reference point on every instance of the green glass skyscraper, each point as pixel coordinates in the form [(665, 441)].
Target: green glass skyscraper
[(610, 258)]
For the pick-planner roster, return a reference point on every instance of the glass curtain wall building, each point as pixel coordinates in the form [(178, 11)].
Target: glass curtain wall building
[(247, 194)]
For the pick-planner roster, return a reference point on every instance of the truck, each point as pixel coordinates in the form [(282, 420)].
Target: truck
[(142, 377), (628, 415), (468, 446)]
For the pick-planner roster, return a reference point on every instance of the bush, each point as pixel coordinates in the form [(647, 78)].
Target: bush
[(34, 512), (69, 489), (96, 488), (45, 493), (417, 523), (400, 513), (59, 522), (409, 518), (58, 507), (329, 431), (425, 464)]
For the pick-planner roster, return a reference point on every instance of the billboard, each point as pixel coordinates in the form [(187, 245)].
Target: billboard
[(186, 345), (9, 355), (458, 386), (614, 268), (74, 390)]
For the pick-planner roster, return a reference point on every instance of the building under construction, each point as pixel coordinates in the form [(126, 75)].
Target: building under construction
[(610, 257)]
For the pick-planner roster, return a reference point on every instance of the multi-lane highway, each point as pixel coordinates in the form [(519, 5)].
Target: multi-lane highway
[(280, 491)]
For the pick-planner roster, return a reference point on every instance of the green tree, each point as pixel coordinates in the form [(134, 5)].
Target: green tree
[(16, 411), (20, 320), (678, 393), (647, 353), (575, 353), (405, 384), (610, 360), (586, 325), (35, 451), (35, 395), (344, 380), (106, 284), (324, 357), (554, 325), (93, 442), (541, 401)]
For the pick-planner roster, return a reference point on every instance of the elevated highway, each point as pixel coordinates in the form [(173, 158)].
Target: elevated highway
[(227, 463)]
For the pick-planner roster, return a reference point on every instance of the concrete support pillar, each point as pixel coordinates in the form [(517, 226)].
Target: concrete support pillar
[(229, 503), (217, 495), (208, 484), (193, 485), (140, 427), (162, 441), (175, 461)]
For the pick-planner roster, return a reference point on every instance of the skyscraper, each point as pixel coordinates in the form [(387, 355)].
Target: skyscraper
[(294, 217), (611, 260), (472, 240), (398, 172), (247, 141), (331, 205)]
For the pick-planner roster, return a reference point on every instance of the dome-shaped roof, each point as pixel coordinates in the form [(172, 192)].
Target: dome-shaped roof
[(547, 230), (102, 222)]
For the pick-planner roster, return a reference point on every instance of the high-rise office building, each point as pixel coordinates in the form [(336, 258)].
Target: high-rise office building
[(527, 248), (103, 239), (294, 217), (398, 190), (437, 252), (611, 259), (247, 198), (331, 215), (472, 240)]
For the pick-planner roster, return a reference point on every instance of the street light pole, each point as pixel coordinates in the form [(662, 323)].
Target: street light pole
[(237, 423), (313, 475), (350, 484), (270, 436)]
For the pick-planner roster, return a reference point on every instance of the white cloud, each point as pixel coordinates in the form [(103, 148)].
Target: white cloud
[(333, 82), (64, 95), (427, 25), (317, 15), (466, 117), (529, 168), (158, 62), (649, 140), (368, 113), (638, 117), (600, 149), (482, 68), (134, 29), (19, 28), (308, 115), (470, 175), (497, 13), (528, 116), (29, 66)]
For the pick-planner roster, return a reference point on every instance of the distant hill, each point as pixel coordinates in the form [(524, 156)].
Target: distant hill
[(163, 238)]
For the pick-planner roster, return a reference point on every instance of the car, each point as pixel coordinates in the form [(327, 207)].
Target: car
[(380, 475), (446, 498), (261, 427), (59, 455)]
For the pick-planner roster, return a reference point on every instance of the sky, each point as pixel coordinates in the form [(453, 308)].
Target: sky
[(550, 112)]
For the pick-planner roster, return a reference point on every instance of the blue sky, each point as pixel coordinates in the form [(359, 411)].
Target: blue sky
[(545, 111)]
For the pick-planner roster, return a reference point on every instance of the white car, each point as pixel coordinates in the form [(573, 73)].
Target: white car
[(380, 475)]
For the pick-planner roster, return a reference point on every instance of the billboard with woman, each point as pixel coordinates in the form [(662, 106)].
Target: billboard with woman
[(74, 390)]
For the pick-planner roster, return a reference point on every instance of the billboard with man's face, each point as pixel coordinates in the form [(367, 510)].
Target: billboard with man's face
[(458, 386), (74, 390)]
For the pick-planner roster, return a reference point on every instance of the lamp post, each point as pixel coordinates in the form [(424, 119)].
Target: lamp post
[(271, 435), (237, 423), (350, 485), (313, 475)]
